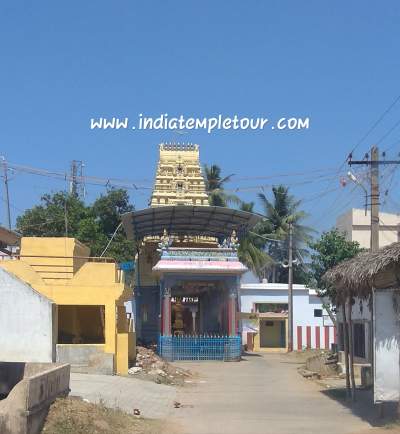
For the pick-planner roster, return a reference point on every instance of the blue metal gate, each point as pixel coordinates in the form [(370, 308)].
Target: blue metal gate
[(202, 347)]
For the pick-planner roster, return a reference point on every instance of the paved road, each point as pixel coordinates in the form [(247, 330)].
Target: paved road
[(153, 400), (261, 395)]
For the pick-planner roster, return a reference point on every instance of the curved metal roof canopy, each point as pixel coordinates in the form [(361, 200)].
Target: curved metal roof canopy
[(188, 220)]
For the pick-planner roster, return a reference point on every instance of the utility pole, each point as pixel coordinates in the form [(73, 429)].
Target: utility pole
[(374, 199), (290, 288), (7, 195), (374, 164)]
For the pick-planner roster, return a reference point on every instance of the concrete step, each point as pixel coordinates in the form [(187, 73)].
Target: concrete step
[(80, 368)]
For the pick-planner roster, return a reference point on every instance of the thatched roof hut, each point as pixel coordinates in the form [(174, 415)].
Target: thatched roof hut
[(357, 276)]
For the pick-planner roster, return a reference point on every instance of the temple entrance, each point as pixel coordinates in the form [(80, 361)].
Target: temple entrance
[(199, 304), (187, 268), (185, 316), (199, 308)]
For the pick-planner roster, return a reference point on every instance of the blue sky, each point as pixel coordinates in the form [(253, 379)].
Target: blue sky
[(63, 63)]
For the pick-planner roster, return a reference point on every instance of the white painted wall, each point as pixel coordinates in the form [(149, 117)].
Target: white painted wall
[(26, 322), (387, 346), (360, 311), (305, 300)]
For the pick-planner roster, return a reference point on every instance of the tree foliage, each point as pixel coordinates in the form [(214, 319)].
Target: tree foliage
[(215, 185), (62, 214), (331, 249), (251, 251), (280, 211)]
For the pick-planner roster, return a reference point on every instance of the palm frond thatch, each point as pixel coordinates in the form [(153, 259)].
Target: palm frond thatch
[(357, 276)]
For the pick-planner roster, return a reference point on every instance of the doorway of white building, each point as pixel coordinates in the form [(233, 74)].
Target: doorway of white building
[(273, 333)]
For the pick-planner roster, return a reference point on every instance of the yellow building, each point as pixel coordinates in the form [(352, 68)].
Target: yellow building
[(93, 331)]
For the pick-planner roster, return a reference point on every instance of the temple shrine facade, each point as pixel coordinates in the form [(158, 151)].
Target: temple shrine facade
[(187, 267)]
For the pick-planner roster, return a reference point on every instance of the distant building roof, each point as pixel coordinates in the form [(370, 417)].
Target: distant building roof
[(275, 287), (8, 237)]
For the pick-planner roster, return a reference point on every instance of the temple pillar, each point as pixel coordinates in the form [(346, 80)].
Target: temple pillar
[(232, 312), (194, 321), (166, 312), (193, 310)]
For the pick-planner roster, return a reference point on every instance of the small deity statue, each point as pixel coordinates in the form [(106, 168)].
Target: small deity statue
[(231, 242), (165, 241), (234, 241)]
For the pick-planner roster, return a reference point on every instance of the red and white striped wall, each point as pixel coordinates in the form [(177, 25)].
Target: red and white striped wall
[(315, 337)]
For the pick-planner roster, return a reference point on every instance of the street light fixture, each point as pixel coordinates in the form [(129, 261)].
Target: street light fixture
[(356, 181)]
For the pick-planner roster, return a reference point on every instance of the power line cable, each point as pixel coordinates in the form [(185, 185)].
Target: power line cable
[(388, 132), (361, 140), (109, 242), (87, 179), (282, 175), (376, 123)]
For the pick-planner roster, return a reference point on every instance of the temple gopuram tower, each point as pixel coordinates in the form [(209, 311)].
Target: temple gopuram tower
[(179, 179)]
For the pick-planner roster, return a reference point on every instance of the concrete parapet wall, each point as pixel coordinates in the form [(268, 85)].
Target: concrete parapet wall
[(29, 390)]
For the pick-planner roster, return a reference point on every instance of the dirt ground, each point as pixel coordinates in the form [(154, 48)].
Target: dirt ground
[(74, 416), (302, 356)]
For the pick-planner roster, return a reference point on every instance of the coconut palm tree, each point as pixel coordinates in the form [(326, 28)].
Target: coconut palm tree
[(215, 187), (281, 211), (251, 251)]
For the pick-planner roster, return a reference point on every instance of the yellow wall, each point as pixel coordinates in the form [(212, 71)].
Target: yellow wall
[(126, 345), (122, 361), (270, 342), (88, 283), (55, 259)]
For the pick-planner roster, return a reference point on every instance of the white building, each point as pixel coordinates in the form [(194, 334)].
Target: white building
[(357, 227), (264, 313)]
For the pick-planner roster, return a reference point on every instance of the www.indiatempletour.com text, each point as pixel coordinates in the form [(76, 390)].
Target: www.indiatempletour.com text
[(209, 124)]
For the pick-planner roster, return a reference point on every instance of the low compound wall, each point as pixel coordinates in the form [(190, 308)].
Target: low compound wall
[(86, 358), (27, 390)]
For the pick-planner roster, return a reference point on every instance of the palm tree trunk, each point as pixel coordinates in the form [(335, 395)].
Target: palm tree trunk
[(351, 351), (346, 349)]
